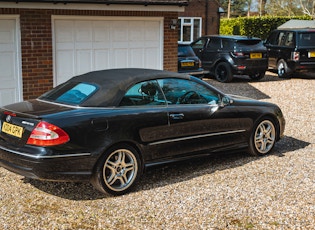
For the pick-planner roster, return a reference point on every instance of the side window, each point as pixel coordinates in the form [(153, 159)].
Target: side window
[(199, 44), (181, 91), (289, 41), (214, 44), (143, 93), (227, 44), (280, 39)]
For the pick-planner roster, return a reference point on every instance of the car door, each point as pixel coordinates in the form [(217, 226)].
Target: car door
[(196, 120), (209, 52), (142, 114), (273, 45)]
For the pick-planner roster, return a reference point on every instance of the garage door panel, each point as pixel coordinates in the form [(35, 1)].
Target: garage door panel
[(151, 57), (119, 31), (7, 67), (151, 33), (8, 96), (101, 59), (65, 33), (83, 31), (101, 31), (84, 61), (6, 32), (137, 58), (64, 59), (137, 31), (120, 58)]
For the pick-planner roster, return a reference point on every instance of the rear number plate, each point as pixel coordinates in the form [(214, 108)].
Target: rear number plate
[(13, 130), (311, 54), (256, 55), (187, 64)]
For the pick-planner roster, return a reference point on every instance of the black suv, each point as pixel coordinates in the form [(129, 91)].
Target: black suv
[(226, 56), (291, 50)]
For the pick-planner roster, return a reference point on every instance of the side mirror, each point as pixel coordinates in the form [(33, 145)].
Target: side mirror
[(225, 101)]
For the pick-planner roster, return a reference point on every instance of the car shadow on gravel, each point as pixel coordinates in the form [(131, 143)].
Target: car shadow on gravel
[(241, 85), (160, 176), (187, 170)]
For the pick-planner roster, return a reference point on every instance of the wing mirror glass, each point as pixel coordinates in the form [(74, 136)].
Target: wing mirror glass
[(225, 100)]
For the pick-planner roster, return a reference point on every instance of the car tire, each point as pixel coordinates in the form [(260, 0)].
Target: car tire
[(263, 137), (257, 76), (118, 170), (282, 69), (223, 72)]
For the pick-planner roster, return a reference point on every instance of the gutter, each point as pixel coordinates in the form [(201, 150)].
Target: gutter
[(110, 2)]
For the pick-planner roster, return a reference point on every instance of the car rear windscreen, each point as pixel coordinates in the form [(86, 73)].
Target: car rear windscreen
[(73, 93), (185, 51)]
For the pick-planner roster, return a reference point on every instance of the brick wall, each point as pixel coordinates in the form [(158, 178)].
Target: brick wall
[(208, 12), (37, 51)]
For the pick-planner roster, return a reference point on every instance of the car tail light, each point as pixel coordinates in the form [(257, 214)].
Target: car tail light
[(238, 54), (46, 134), (241, 67), (9, 113), (295, 56)]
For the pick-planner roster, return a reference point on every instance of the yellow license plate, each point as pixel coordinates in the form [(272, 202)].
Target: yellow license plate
[(13, 130), (311, 54), (256, 55), (187, 64)]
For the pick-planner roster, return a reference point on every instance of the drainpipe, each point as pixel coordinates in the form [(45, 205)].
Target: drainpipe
[(207, 16)]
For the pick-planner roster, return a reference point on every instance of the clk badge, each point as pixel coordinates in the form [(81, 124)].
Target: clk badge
[(8, 118)]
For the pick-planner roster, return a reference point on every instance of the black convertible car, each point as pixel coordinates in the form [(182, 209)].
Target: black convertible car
[(107, 126)]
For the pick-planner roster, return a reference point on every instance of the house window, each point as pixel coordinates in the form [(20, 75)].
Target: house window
[(189, 29)]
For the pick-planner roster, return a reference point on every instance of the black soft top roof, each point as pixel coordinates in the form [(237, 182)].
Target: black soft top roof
[(113, 83)]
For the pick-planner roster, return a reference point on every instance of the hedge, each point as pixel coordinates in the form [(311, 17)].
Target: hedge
[(254, 26)]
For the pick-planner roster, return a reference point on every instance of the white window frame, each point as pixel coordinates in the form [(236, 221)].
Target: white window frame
[(183, 23)]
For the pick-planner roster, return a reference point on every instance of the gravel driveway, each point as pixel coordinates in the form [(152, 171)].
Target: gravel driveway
[(224, 192)]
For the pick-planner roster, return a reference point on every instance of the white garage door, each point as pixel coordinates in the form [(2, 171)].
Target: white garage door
[(83, 45), (10, 80)]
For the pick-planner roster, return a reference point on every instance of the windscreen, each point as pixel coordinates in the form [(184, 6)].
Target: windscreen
[(73, 93), (307, 39)]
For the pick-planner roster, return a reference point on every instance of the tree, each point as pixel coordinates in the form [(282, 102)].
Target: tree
[(308, 7), (235, 8), (283, 8)]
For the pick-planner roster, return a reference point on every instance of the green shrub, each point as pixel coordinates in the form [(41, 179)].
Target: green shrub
[(254, 26)]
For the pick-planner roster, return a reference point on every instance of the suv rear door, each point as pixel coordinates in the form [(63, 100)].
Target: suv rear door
[(305, 42)]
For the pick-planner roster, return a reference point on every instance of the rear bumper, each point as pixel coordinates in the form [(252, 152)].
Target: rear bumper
[(250, 66), (199, 72), (301, 66), (70, 167)]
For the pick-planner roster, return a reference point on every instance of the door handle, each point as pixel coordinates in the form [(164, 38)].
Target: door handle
[(177, 116)]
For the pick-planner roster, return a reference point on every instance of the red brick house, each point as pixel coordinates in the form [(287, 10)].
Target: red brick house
[(43, 43), (199, 18)]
